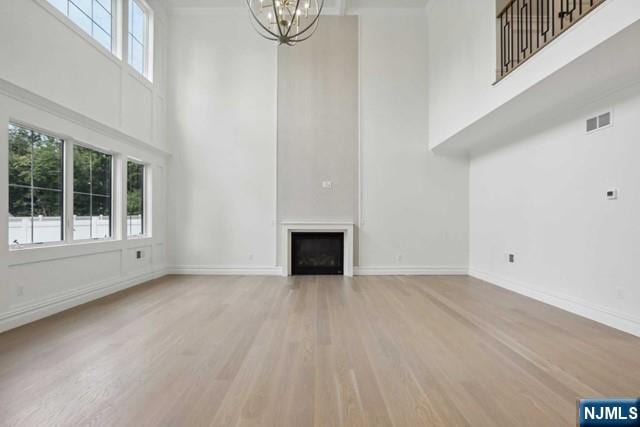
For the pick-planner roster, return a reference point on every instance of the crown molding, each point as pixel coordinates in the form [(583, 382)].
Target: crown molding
[(340, 9)]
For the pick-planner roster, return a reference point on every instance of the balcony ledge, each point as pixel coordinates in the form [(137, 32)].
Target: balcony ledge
[(569, 89)]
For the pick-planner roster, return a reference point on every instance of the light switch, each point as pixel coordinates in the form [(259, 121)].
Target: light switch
[(327, 184)]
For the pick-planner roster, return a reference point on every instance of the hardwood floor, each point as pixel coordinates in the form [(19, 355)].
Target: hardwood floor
[(325, 351)]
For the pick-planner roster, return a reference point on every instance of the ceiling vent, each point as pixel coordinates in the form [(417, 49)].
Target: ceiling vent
[(599, 122)]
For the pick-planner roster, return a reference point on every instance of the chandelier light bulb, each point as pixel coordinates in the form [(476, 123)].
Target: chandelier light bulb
[(277, 23)]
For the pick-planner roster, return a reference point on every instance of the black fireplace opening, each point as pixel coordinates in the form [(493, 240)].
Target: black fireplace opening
[(317, 253)]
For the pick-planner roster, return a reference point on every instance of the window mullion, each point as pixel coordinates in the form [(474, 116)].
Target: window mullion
[(91, 195), (145, 47), (68, 190), (114, 27), (146, 200), (31, 184), (121, 197), (124, 33)]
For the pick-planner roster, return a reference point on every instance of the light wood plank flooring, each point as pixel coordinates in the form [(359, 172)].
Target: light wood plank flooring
[(323, 351)]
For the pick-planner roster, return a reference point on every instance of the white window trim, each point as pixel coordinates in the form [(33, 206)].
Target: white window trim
[(65, 140), (70, 218), (119, 53), (118, 197), (148, 41), (115, 55), (146, 214)]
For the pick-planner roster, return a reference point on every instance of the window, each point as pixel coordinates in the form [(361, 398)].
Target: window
[(135, 199), (91, 194), (138, 37), (93, 16), (36, 187)]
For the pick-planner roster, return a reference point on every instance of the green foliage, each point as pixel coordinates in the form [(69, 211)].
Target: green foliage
[(91, 182), (35, 173), (135, 191)]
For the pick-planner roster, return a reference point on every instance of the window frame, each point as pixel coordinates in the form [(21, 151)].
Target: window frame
[(146, 230), (112, 219), (64, 212), (115, 16), (147, 43), (118, 226)]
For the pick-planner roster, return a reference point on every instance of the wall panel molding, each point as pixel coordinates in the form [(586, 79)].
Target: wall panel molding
[(30, 98)]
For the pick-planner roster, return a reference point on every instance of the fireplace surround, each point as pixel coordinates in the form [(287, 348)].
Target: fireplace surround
[(331, 228)]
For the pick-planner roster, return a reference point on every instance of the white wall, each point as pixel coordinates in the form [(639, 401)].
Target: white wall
[(462, 59), (54, 77), (318, 124), (223, 126), (223, 131), (542, 197), (414, 203), (80, 74)]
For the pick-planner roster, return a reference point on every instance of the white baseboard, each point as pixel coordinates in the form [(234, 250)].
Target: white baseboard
[(410, 271), (597, 313), (218, 270), (212, 270), (22, 315)]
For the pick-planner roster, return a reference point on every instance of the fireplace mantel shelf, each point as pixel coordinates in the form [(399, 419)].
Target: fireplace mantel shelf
[(327, 223)]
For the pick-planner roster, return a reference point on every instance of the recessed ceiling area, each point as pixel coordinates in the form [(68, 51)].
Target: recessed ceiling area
[(330, 7)]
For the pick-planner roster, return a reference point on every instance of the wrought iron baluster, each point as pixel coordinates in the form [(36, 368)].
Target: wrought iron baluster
[(530, 27), (519, 19), (553, 17), (511, 55)]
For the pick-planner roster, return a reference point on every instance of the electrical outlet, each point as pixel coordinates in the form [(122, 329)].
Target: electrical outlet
[(620, 293), (399, 257), (511, 258), (139, 254), (20, 290), (327, 184), (612, 194), (251, 257)]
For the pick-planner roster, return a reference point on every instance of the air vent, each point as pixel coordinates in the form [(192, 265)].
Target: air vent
[(604, 120), (598, 122)]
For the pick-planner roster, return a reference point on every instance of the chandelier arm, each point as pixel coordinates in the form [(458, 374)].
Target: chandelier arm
[(255, 18), (315, 20), (275, 15), (292, 18), (270, 36), (307, 36)]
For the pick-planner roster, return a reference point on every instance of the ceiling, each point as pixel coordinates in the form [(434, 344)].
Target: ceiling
[(338, 7)]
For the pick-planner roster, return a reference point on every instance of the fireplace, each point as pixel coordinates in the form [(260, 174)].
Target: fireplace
[(317, 253), (343, 229)]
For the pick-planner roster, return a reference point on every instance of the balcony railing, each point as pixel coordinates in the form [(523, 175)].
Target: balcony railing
[(526, 26)]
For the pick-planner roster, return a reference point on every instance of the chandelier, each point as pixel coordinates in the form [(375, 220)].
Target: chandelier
[(285, 21)]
